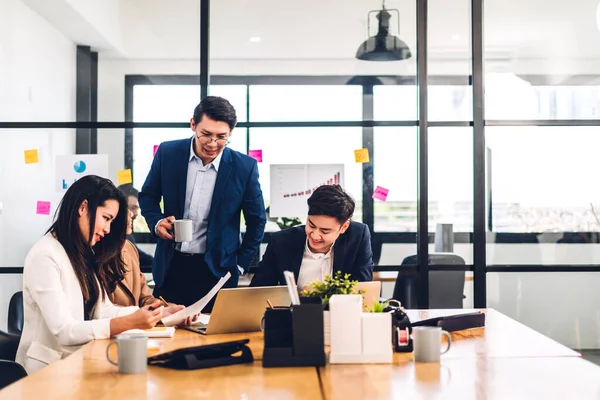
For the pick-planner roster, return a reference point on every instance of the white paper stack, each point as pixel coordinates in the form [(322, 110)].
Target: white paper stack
[(156, 332)]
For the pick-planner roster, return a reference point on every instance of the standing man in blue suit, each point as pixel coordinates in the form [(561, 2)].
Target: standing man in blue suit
[(329, 242), (203, 180)]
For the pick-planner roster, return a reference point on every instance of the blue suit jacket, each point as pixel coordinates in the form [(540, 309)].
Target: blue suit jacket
[(236, 189), (352, 254)]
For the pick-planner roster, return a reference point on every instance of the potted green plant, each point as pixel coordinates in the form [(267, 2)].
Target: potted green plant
[(336, 284), (377, 307), (283, 222)]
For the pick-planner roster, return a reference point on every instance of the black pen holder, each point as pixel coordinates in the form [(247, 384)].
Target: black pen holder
[(294, 336)]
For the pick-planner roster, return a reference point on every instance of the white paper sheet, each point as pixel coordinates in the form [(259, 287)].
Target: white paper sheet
[(292, 288), (196, 308), (156, 332)]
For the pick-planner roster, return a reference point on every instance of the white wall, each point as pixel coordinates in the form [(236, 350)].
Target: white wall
[(105, 17), (37, 83)]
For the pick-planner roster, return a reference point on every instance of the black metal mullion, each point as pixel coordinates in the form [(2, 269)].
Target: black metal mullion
[(247, 118), (83, 100), (94, 101), (479, 151), (423, 198), (384, 268), (131, 124), (265, 124), (543, 122), (368, 168), (129, 85), (444, 80), (204, 47), (543, 268), (490, 195)]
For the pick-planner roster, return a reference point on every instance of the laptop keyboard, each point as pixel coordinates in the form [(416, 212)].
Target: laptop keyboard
[(197, 328)]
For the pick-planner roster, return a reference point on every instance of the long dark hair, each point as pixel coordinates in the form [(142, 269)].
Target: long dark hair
[(108, 264)]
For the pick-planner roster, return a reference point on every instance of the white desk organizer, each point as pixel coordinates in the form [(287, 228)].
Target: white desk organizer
[(357, 337)]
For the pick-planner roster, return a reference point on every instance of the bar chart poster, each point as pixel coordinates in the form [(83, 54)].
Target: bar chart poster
[(292, 185)]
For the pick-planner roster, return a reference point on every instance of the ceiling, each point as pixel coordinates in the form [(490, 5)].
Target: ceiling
[(320, 29)]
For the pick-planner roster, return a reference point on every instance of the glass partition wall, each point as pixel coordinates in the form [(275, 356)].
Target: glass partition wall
[(494, 137)]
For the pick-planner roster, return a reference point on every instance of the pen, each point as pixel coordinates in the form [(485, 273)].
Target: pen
[(270, 304), (164, 301)]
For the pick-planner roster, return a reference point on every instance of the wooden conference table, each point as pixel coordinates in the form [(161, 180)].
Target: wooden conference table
[(504, 360)]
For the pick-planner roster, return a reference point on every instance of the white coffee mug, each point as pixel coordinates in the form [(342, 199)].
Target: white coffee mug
[(183, 230), (132, 353), (427, 341)]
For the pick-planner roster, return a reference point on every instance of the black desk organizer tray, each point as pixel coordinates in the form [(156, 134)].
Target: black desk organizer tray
[(294, 335), (207, 356), (456, 322)]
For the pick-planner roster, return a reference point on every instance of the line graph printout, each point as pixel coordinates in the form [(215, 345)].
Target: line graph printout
[(292, 185)]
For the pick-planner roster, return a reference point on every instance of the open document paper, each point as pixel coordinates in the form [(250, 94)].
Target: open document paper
[(180, 316)]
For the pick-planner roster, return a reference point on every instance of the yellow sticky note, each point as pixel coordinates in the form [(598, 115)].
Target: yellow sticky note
[(361, 155), (31, 156), (124, 176)]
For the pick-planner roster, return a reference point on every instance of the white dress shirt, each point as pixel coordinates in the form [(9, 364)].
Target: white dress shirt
[(199, 190), (53, 306), (314, 266)]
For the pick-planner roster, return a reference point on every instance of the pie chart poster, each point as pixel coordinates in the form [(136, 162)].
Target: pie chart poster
[(72, 167)]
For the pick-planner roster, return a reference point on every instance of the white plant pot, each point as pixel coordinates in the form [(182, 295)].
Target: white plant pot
[(377, 337), (326, 327)]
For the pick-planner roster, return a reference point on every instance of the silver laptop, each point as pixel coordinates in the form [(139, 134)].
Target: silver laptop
[(241, 309), (371, 293)]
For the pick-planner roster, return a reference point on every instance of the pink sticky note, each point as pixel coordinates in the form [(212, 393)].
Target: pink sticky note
[(43, 208), (380, 193), (256, 154), (155, 148)]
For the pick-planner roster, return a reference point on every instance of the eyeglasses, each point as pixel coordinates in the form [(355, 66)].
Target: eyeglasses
[(207, 139)]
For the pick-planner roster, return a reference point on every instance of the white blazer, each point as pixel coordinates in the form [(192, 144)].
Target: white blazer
[(54, 325)]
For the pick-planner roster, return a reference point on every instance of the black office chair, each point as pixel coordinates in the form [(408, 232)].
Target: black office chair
[(446, 288), (8, 346), (15, 314), (10, 372)]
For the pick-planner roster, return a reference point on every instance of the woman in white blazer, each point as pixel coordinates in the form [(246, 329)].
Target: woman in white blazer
[(68, 273)]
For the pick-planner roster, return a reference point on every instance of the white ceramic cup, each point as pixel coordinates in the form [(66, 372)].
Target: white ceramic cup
[(132, 353), (183, 230), (427, 341)]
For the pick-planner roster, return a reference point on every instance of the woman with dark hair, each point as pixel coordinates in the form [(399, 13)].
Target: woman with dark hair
[(132, 290), (68, 273)]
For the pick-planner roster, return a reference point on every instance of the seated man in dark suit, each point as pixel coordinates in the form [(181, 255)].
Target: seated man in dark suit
[(329, 242), (134, 206)]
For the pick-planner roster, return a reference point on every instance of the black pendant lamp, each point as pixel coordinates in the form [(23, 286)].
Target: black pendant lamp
[(383, 46)]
